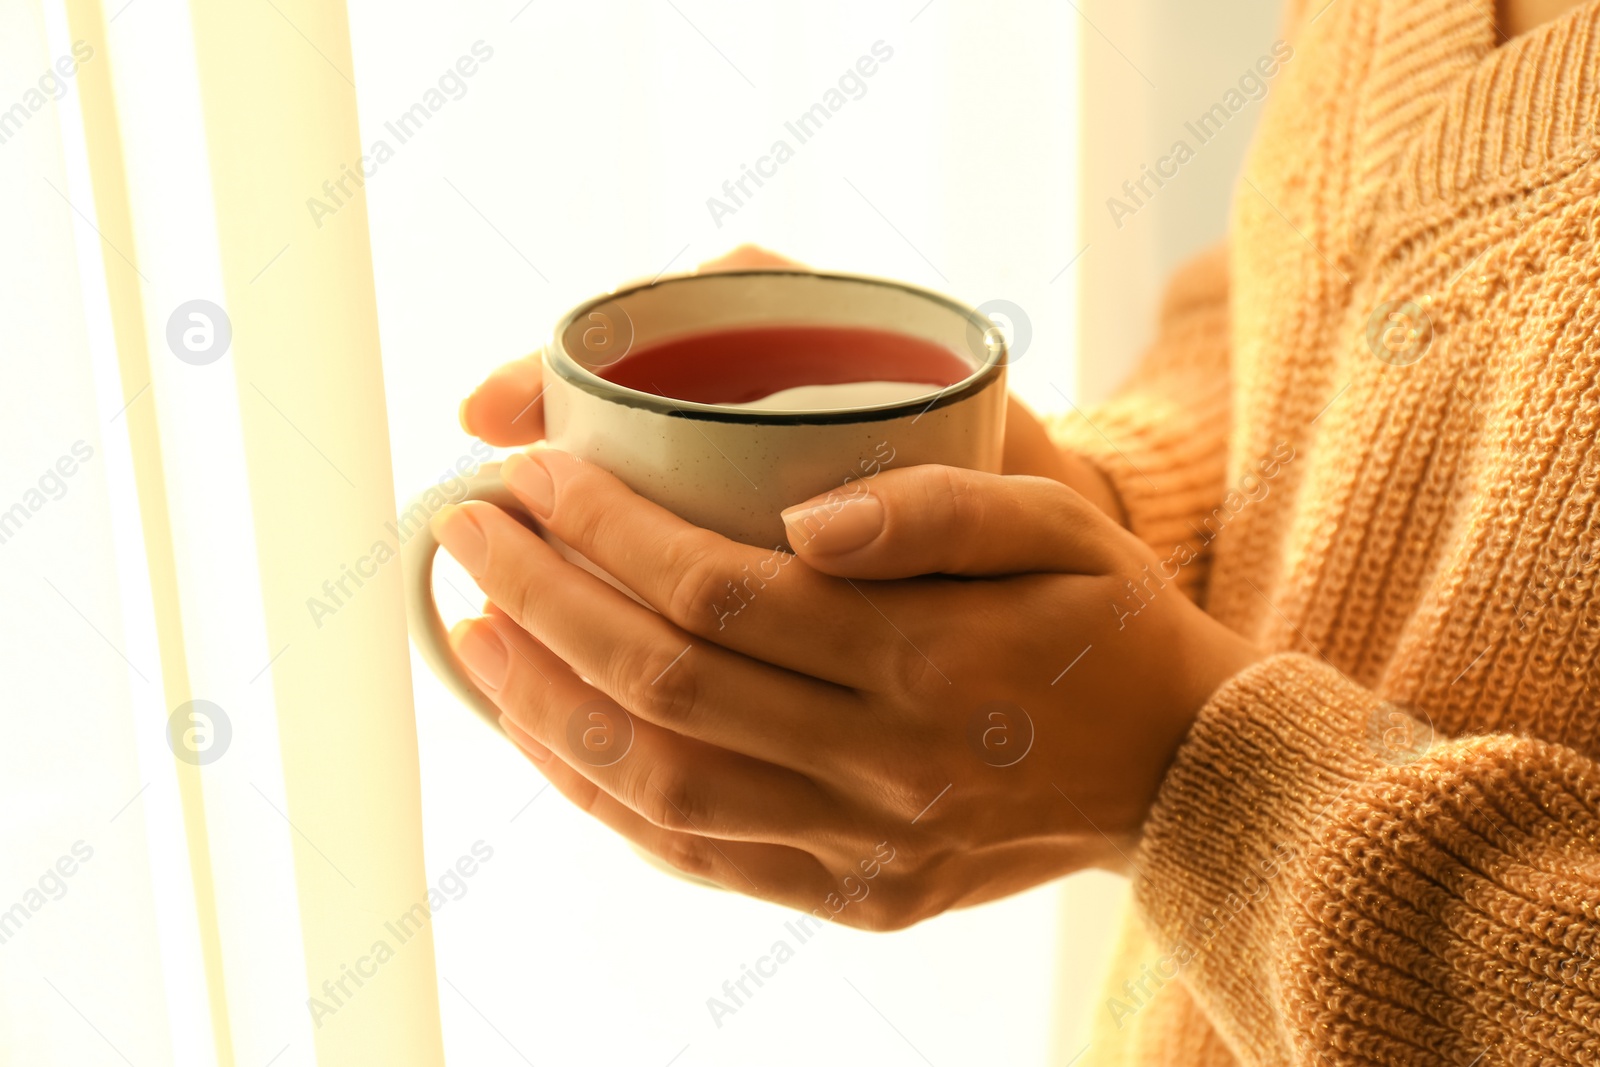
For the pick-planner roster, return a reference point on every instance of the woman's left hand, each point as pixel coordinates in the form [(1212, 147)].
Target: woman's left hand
[(948, 694)]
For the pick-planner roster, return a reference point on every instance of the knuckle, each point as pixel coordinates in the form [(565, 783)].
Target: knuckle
[(592, 510), (697, 584), (950, 486), (911, 670), (670, 799), (883, 920), (657, 681), (586, 795), (687, 853), (944, 490), (890, 908), (597, 524), (521, 685), (963, 513), (922, 799), (929, 886), (508, 582)]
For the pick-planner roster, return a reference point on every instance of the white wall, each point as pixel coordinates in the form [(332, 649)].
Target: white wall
[(1148, 69)]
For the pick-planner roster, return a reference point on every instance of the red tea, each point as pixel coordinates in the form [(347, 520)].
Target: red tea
[(749, 364)]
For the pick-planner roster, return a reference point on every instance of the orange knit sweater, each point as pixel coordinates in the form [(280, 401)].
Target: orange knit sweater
[(1376, 414)]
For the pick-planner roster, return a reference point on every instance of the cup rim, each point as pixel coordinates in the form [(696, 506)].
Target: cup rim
[(576, 374)]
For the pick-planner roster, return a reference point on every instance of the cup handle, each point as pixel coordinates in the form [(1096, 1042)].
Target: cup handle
[(427, 628)]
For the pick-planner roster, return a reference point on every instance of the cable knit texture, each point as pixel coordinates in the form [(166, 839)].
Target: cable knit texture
[(1381, 845)]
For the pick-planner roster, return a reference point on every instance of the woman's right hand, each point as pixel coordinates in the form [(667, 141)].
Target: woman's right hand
[(506, 410)]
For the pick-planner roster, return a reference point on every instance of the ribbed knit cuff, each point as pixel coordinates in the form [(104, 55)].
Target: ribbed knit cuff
[(1268, 756), (1329, 878)]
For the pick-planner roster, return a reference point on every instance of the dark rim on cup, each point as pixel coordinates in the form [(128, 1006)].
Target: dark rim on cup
[(574, 372)]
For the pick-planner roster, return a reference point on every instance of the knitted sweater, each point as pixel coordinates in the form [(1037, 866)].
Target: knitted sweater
[(1375, 414)]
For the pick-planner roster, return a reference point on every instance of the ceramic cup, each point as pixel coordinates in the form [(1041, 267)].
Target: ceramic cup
[(733, 468)]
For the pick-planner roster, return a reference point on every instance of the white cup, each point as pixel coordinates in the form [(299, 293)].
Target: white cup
[(727, 467)]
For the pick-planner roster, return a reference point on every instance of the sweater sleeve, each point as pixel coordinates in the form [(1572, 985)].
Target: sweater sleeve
[(1162, 439), (1335, 885)]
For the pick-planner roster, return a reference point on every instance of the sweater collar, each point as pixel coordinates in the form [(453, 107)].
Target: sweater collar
[(1450, 114)]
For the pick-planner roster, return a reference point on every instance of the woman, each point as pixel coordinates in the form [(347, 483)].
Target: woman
[(1356, 792)]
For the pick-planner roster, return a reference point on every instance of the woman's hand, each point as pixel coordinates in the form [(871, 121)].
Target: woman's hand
[(948, 695), (506, 410)]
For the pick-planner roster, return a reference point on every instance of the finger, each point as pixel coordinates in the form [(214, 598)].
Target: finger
[(672, 781), (748, 257), (640, 659), (778, 873), (508, 409), (744, 257), (945, 520), (750, 600), (1028, 447)]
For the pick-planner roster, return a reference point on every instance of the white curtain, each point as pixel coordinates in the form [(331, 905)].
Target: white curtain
[(243, 780)]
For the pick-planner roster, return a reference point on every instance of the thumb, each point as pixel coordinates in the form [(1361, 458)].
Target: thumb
[(748, 257), (946, 520), (505, 409)]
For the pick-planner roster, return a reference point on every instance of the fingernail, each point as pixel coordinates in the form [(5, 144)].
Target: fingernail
[(524, 739), (482, 650), (835, 526), (528, 478), (459, 533)]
